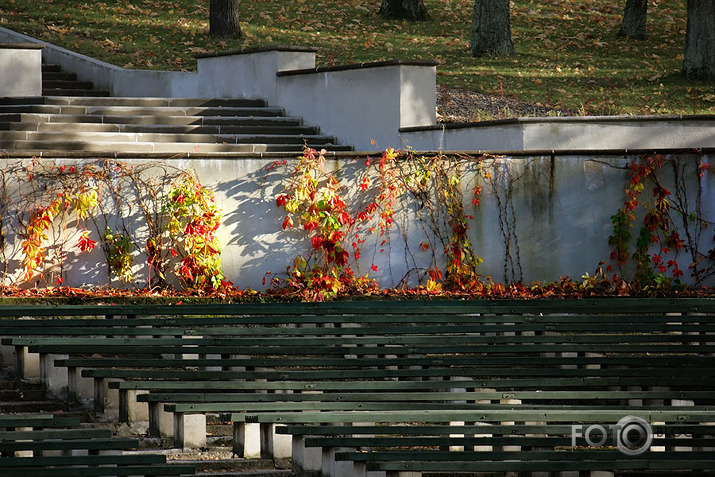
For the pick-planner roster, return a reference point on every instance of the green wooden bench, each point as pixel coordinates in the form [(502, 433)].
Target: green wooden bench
[(46, 445), (350, 450), (594, 348), (498, 440)]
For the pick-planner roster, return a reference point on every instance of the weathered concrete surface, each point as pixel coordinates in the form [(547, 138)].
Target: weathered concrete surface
[(21, 66)]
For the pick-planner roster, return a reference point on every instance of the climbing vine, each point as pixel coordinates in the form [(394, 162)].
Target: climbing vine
[(74, 208), (651, 208)]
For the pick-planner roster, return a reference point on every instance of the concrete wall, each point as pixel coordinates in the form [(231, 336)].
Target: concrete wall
[(21, 66), (362, 103), (540, 218), (569, 134)]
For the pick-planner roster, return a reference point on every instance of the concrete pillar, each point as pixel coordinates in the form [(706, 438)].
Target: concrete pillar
[(77, 386), (189, 430), (54, 379), (247, 440), (273, 445), (161, 423), (28, 364), (105, 399), (21, 64), (336, 468), (306, 460), (129, 409)]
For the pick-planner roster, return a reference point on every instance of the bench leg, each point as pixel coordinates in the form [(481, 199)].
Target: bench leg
[(247, 440), (189, 430), (273, 445), (78, 387), (54, 379), (161, 423), (307, 461), (27, 364), (103, 397), (360, 470), (336, 468), (129, 409)]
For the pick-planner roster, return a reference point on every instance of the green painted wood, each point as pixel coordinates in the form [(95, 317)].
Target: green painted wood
[(660, 376), (470, 383), (425, 396), (130, 470), (46, 461), (571, 415), (379, 307), (114, 443), (55, 434)]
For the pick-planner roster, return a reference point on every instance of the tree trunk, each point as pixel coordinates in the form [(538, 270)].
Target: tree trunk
[(491, 28), (414, 10), (700, 40), (223, 18), (634, 18)]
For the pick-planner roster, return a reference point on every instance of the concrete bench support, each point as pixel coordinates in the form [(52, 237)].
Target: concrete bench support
[(21, 66), (189, 430), (247, 440)]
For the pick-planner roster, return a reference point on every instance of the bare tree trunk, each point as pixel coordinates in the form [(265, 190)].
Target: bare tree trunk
[(491, 28), (410, 9), (634, 19), (223, 19), (699, 59)]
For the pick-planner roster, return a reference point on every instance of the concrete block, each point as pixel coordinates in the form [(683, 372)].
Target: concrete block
[(105, 399), (161, 423), (189, 430), (21, 66), (273, 445), (129, 409), (54, 379), (307, 461), (28, 364), (79, 387), (247, 440), (333, 468)]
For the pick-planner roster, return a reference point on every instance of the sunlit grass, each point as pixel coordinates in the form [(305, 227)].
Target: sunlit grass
[(568, 54)]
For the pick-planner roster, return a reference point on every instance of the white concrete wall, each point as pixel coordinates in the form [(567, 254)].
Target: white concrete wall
[(21, 67), (249, 75), (570, 134), (554, 211), (360, 105)]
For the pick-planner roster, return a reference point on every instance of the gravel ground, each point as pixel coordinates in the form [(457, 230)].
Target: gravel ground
[(463, 106)]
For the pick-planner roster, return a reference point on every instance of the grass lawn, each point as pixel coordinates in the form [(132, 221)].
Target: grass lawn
[(567, 52)]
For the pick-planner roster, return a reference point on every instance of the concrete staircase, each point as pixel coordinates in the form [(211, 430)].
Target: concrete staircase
[(79, 118)]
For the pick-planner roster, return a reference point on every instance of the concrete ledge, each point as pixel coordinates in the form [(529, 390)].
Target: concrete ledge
[(590, 133), (258, 49), (359, 66)]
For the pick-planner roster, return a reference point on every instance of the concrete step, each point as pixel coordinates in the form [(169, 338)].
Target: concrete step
[(161, 137), (153, 120), (55, 84), (58, 82), (48, 147), (59, 127), (161, 111), (153, 102)]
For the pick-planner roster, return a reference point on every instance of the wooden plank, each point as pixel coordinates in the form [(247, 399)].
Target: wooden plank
[(601, 305), (570, 415), (55, 434), (91, 460), (130, 470), (424, 396), (113, 443)]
